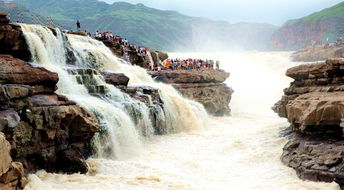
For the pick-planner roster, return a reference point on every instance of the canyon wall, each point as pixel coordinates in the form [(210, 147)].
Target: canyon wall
[(321, 27), (314, 105)]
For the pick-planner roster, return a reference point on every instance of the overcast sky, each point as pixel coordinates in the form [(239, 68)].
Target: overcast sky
[(269, 11)]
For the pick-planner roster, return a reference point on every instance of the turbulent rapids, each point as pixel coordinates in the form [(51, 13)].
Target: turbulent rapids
[(238, 152)]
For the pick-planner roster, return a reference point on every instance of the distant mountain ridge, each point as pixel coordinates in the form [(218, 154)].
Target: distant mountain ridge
[(19, 13), (164, 30), (318, 26)]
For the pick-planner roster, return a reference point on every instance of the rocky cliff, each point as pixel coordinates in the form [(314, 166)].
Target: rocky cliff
[(318, 53), (319, 27), (314, 105), (206, 87), (42, 127), (44, 130)]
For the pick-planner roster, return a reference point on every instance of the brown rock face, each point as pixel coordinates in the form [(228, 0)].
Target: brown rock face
[(11, 173), (14, 71), (45, 130), (117, 79), (296, 34), (313, 104), (205, 87), (12, 42), (3, 18)]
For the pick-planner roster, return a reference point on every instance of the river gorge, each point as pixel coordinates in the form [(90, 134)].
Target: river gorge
[(78, 117), (241, 151)]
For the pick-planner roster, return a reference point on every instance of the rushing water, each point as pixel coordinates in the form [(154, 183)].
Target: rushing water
[(124, 129), (238, 152)]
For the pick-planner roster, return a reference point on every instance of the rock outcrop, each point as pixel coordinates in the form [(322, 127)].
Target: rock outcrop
[(11, 173), (45, 130), (206, 87), (314, 105), (318, 53), (116, 79), (12, 40)]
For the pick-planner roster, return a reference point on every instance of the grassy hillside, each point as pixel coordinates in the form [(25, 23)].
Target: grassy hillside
[(335, 11), (319, 26), (165, 30)]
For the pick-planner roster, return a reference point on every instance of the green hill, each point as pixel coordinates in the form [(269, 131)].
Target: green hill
[(335, 11), (19, 13), (319, 26), (164, 30)]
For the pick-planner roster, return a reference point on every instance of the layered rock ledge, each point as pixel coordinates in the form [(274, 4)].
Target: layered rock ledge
[(314, 105), (206, 87), (42, 130)]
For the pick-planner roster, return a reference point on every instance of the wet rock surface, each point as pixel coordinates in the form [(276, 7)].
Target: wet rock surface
[(44, 129), (313, 104), (142, 94), (117, 79), (206, 87)]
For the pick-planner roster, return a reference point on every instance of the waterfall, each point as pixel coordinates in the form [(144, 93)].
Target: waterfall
[(157, 58), (181, 114), (124, 120), (150, 59)]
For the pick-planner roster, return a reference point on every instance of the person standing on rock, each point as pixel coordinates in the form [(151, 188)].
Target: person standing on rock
[(78, 25)]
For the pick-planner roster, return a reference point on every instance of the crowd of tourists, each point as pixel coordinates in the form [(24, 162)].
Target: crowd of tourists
[(188, 64), (169, 64), (125, 46)]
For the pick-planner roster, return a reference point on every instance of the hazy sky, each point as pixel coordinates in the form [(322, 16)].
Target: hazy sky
[(269, 11)]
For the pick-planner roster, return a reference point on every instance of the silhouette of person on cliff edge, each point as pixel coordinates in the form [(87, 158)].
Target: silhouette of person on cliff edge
[(78, 25)]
